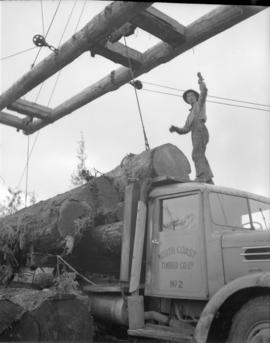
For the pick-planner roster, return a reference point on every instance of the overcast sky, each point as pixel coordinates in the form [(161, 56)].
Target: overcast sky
[(235, 65)]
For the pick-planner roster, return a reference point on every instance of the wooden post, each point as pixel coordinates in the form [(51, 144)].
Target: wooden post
[(136, 265), (106, 22), (130, 211), (202, 29)]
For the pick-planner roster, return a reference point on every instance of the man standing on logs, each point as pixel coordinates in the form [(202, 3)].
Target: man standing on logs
[(196, 124)]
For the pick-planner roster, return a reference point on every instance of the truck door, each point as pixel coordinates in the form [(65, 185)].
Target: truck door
[(176, 252)]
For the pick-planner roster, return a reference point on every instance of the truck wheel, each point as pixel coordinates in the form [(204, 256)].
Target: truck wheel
[(251, 324)]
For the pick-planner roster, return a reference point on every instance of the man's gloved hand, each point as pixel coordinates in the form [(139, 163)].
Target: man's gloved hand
[(200, 77), (173, 128)]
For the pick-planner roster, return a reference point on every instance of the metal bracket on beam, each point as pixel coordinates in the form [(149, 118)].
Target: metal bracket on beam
[(119, 53), (124, 31)]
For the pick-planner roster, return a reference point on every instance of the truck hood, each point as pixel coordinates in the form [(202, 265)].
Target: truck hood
[(245, 252)]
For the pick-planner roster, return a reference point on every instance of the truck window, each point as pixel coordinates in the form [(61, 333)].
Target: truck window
[(260, 213), (229, 210), (179, 213)]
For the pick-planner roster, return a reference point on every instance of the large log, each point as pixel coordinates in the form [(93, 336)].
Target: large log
[(166, 159), (88, 218), (31, 315)]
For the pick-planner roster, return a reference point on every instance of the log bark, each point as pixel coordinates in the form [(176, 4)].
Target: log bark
[(46, 224), (166, 159), (86, 221), (31, 315)]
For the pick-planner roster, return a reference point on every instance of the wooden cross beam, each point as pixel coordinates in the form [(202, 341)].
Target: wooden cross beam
[(11, 120), (160, 25), (31, 109), (94, 36), (109, 20), (202, 29)]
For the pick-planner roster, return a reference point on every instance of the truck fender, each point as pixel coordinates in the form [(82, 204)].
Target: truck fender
[(210, 310)]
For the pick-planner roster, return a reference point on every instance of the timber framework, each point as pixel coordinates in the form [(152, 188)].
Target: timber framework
[(101, 36)]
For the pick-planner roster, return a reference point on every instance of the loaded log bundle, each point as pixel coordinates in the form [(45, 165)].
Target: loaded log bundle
[(79, 231), (84, 223)]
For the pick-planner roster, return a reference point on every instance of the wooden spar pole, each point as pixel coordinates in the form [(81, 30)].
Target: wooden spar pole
[(202, 29), (106, 22), (11, 120)]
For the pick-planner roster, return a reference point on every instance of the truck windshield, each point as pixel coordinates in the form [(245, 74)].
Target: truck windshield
[(260, 214), (239, 212), (229, 210)]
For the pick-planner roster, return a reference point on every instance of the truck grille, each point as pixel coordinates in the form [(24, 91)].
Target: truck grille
[(256, 253)]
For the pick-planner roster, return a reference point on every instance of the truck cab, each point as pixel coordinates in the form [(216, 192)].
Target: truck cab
[(207, 259), (201, 237), (195, 265)]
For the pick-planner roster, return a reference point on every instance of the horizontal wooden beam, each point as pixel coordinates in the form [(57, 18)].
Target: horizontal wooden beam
[(160, 25), (11, 120), (31, 109), (207, 26), (202, 29), (113, 17), (119, 53)]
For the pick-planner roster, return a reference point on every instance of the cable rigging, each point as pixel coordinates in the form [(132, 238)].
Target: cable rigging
[(215, 102), (42, 17), (48, 30), (29, 153), (210, 96), (27, 169), (147, 146), (60, 41), (17, 53), (80, 16)]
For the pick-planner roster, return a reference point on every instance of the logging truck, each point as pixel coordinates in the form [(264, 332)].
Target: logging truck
[(195, 269), (155, 255)]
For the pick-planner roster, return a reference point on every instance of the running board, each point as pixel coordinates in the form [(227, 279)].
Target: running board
[(161, 332)]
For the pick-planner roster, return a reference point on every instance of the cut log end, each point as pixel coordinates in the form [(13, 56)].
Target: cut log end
[(35, 316), (170, 161)]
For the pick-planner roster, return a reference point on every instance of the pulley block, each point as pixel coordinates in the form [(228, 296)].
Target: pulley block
[(40, 41)]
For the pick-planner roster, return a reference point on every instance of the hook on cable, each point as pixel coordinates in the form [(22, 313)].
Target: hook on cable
[(136, 84)]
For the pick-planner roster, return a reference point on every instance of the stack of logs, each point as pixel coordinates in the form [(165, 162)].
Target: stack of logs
[(83, 225)]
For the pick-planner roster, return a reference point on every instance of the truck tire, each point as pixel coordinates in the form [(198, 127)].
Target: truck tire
[(251, 324)]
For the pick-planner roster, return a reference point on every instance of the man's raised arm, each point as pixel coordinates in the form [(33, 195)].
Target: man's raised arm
[(203, 89)]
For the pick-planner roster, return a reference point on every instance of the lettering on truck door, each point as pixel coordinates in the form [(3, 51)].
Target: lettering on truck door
[(177, 266)]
